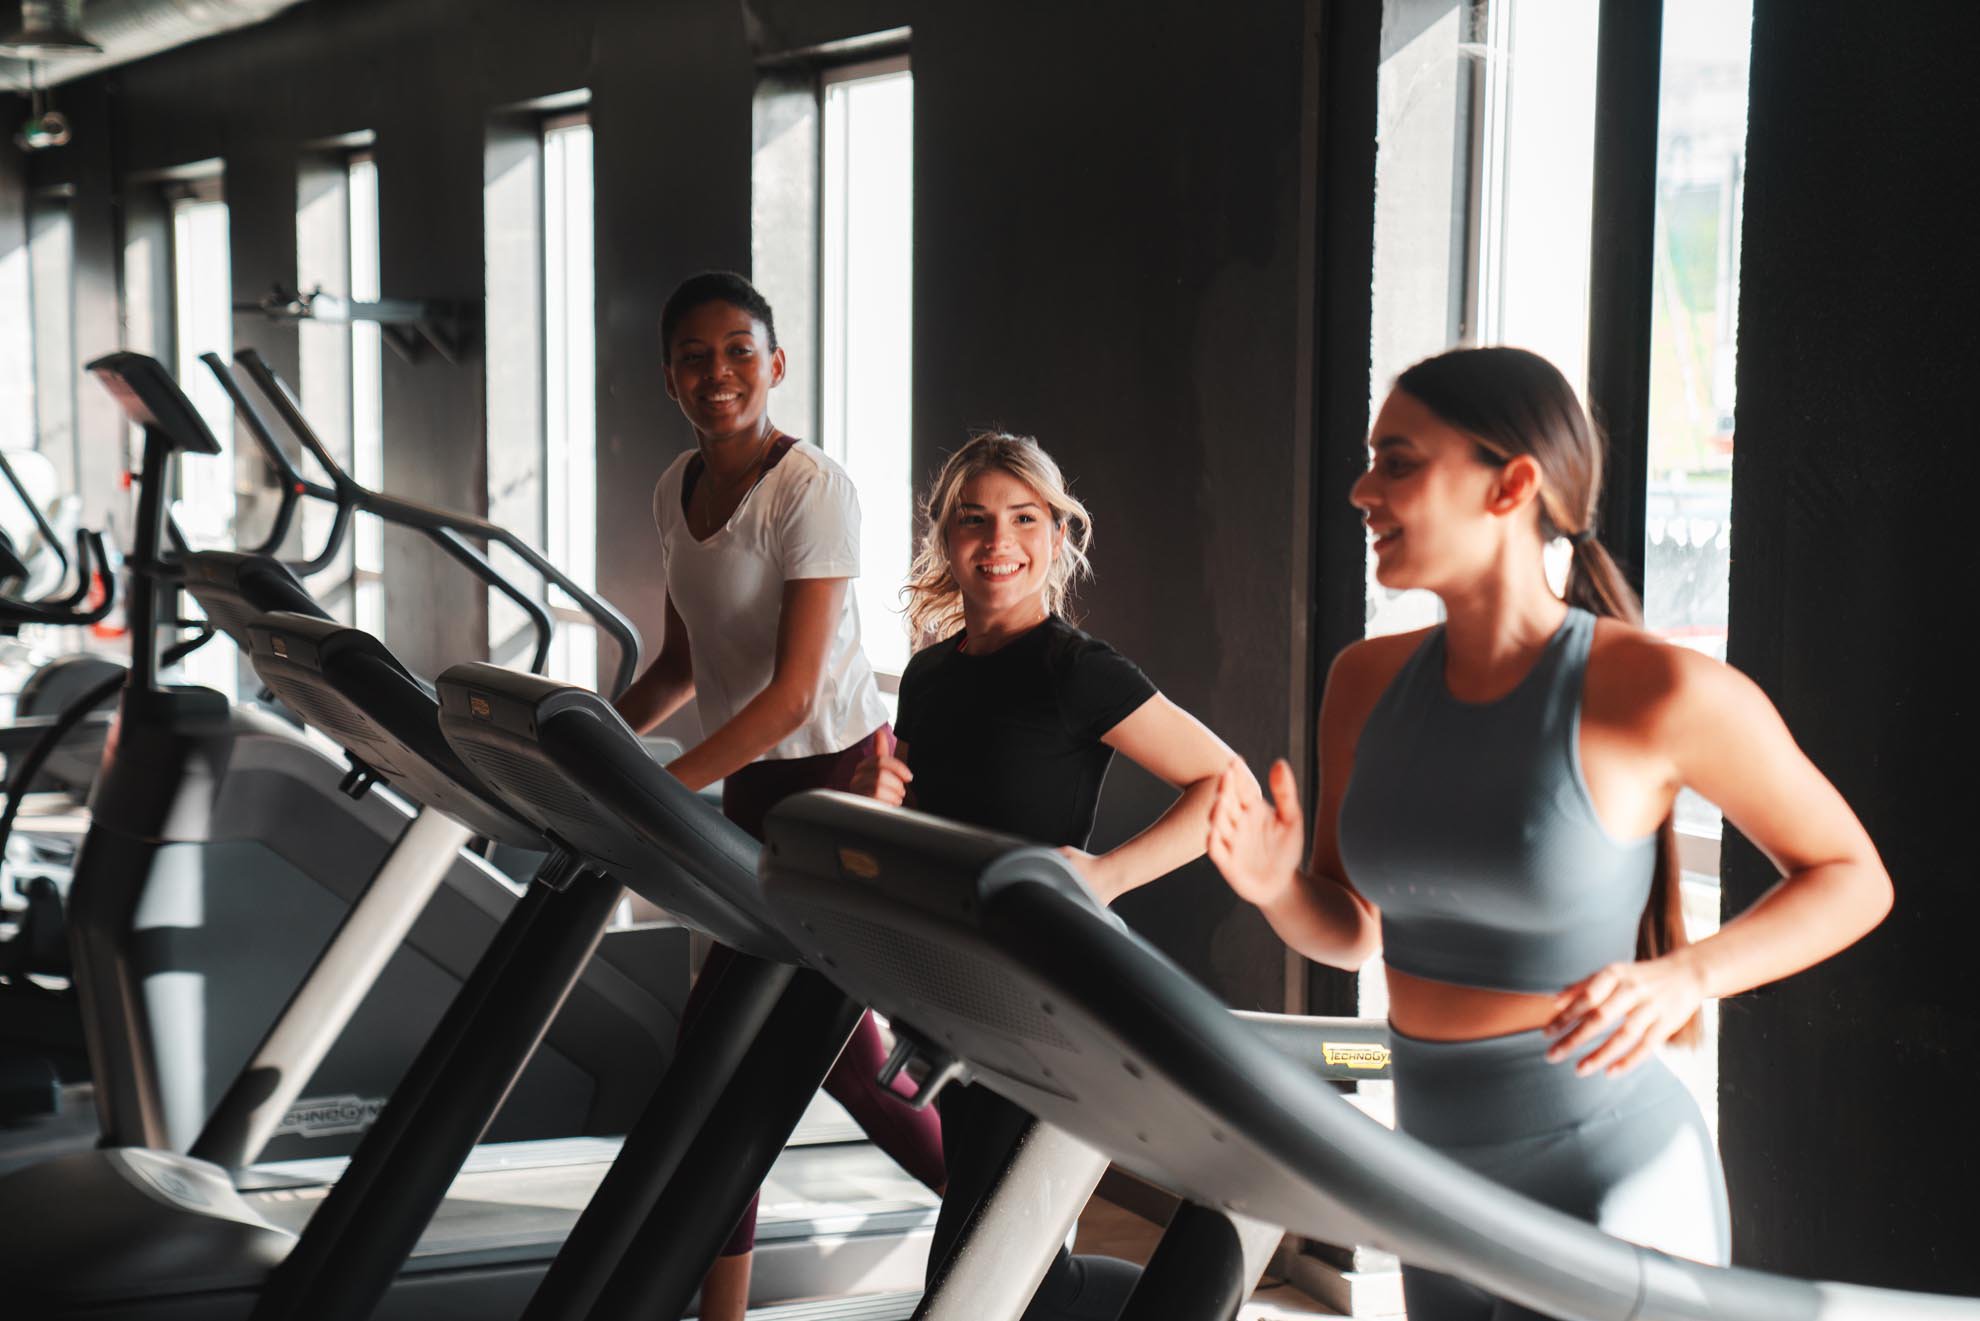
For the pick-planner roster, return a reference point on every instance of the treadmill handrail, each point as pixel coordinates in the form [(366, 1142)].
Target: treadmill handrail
[(1274, 1140), (483, 568), (91, 560), (409, 513), (521, 732), (293, 485), (42, 526)]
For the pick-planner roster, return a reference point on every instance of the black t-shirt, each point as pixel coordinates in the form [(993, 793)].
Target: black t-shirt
[(1010, 741)]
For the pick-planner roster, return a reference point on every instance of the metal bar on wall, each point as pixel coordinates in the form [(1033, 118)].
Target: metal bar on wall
[(1629, 62)]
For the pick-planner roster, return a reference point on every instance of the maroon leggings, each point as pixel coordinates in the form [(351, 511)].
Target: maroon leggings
[(912, 1137)]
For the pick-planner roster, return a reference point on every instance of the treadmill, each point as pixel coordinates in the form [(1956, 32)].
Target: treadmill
[(995, 963), (94, 1229), (743, 1081), (563, 759), (212, 820)]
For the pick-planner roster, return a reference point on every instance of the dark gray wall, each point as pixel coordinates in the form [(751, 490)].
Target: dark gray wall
[(1847, 1092), (1107, 255), (1106, 248)]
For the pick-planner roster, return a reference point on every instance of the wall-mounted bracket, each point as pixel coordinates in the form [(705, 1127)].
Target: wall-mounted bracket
[(410, 325)]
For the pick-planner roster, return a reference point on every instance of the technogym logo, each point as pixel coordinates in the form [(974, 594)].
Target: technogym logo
[(327, 1116), (1355, 1054)]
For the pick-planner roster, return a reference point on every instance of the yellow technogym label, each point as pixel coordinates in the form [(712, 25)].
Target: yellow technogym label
[(863, 865), (1355, 1054)]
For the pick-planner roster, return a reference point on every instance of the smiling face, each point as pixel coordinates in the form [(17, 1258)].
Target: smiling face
[(720, 369), (1438, 512), (1001, 543)]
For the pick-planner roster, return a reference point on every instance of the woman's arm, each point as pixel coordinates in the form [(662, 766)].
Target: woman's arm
[(1256, 843), (1726, 741), (1171, 744), (807, 619), (668, 682)]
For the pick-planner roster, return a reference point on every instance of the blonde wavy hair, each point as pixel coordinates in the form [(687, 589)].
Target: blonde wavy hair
[(934, 600)]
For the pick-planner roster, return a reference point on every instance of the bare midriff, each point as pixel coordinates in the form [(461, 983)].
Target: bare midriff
[(1444, 1011)]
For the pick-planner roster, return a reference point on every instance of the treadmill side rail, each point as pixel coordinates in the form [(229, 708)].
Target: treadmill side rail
[(316, 1015), (1015, 1233), (110, 1224), (1054, 1004)]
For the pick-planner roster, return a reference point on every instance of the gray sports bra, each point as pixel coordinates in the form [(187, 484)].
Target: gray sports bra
[(1469, 824)]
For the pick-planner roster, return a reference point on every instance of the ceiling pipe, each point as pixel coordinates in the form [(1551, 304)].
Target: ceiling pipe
[(128, 30), (49, 29)]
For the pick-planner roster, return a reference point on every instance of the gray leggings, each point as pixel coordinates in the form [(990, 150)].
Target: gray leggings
[(1631, 1155)]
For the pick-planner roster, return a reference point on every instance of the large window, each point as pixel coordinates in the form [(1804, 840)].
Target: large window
[(38, 378), (1484, 217), (542, 376), (1484, 197), (1701, 169), (867, 330), (202, 322), (1426, 224), (16, 339), (51, 283), (833, 245), (337, 255), (570, 374)]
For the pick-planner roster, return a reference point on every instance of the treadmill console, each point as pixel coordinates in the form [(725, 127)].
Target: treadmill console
[(152, 399)]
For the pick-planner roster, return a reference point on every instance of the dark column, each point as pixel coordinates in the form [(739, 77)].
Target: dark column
[(671, 113), (429, 219), (1847, 1091), (1346, 68), (1629, 62), (261, 232)]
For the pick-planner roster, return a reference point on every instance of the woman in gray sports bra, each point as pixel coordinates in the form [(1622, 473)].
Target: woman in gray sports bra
[(1495, 820)]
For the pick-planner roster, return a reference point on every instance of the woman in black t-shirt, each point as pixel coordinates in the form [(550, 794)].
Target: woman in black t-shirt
[(1010, 722)]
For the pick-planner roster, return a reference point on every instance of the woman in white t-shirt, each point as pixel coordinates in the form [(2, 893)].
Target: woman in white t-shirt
[(759, 540)]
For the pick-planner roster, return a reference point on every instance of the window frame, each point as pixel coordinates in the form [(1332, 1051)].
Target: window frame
[(45, 208), (829, 342), (521, 135), (202, 185), (562, 609), (353, 585), (1623, 218), (368, 605)]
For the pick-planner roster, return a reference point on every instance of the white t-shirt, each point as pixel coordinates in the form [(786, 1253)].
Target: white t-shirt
[(801, 520)]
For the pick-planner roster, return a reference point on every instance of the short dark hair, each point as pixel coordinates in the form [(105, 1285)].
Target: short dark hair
[(713, 287)]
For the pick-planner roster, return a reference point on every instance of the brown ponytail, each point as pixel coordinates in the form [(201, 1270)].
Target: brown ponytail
[(1512, 402)]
